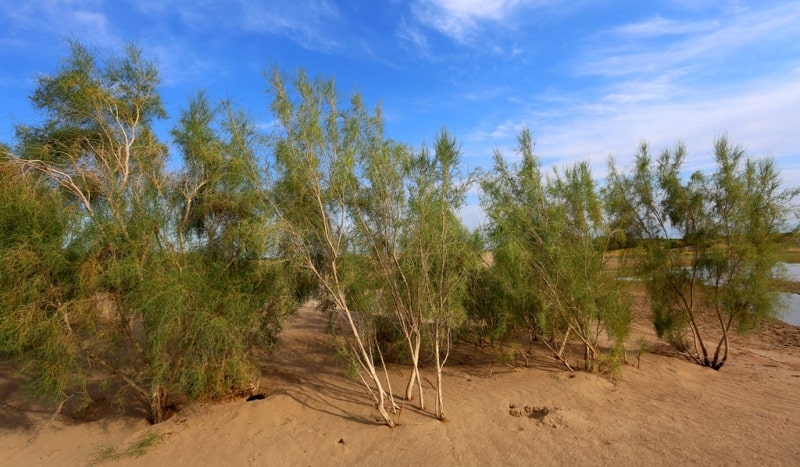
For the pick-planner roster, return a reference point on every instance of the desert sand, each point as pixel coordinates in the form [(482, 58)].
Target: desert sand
[(660, 410)]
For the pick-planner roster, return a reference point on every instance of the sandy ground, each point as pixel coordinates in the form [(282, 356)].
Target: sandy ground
[(666, 411)]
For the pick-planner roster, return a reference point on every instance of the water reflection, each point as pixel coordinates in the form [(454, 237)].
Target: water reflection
[(792, 271), (792, 313)]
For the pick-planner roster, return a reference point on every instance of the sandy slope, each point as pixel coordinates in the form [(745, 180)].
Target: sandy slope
[(668, 411)]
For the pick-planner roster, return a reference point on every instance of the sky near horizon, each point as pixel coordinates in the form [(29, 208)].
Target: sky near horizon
[(590, 79)]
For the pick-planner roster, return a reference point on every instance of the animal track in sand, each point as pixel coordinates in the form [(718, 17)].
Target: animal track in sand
[(537, 413)]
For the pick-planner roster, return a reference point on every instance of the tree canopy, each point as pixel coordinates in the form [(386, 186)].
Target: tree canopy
[(730, 223)]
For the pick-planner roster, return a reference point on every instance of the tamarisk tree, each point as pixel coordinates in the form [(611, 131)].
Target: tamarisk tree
[(36, 277), (376, 224), (317, 152), (544, 233), (127, 294), (440, 253), (730, 223), (97, 146), (383, 222)]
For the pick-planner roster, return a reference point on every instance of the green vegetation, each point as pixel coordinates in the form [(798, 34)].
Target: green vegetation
[(137, 449), (317, 156), (543, 232), (351, 204), (731, 222), (790, 250), (165, 283), (437, 254), (158, 279)]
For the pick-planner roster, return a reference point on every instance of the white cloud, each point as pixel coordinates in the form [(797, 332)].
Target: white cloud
[(484, 94), (93, 27), (697, 44), (506, 129), (659, 89), (413, 35), (154, 6), (179, 63), (307, 22), (459, 19), (58, 18), (760, 115), (689, 81), (659, 26), (313, 24)]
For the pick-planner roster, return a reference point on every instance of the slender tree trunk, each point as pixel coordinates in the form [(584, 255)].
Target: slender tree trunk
[(414, 346), (698, 339), (369, 365), (723, 343), (158, 402), (586, 360), (439, 392)]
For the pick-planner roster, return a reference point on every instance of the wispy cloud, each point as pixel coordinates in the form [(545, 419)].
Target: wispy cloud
[(313, 24), (635, 91), (179, 63), (97, 25), (307, 22), (664, 80), (759, 115), (460, 19), (659, 26), (484, 93), (65, 18), (658, 45), (411, 34)]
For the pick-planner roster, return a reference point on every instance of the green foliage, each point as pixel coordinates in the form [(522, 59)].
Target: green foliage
[(731, 223), (439, 246), (319, 151), (166, 283), (439, 257), (344, 357), (35, 277), (221, 193), (544, 233), (138, 449), (489, 314), (375, 223), (200, 347)]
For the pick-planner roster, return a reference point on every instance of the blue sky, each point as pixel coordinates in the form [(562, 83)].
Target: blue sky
[(589, 78)]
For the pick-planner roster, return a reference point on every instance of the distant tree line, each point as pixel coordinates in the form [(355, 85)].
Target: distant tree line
[(163, 285)]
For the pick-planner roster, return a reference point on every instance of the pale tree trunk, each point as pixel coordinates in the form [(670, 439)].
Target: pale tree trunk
[(414, 345), (439, 366), (365, 358), (158, 403)]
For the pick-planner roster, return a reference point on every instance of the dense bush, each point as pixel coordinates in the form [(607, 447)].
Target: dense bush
[(162, 281), (544, 233)]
